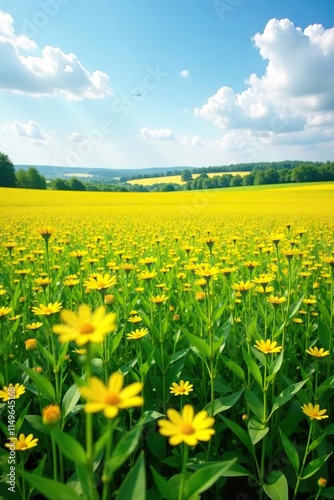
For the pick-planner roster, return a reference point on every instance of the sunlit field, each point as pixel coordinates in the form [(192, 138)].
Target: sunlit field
[(167, 345), (176, 179)]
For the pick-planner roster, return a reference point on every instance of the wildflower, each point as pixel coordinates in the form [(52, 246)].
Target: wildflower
[(206, 271), (264, 279), (181, 389), (22, 443), (309, 302), (147, 275), (71, 282), (46, 232), (318, 353), (34, 326), (43, 310), (22, 272), (322, 482), (276, 301), (4, 311), (51, 415), (276, 238), (159, 299), (267, 347), (42, 282), (109, 299), (137, 334), (314, 412), (186, 427), (111, 398), (251, 264), (102, 282), (38, 369), (297, 320), (135, 319), (78, 254), (200, 296), (12, 392), (31, 344), (242, 286), (85, 326)]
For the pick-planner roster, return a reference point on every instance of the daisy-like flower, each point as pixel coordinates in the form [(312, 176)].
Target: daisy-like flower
[(137, 334), (317, 353), (48, 310), (46, 232), (78, 254), (243, 286), (101, 282), (51, 415), (268, 347), (186, 427), (71, 282), (314, 412), (159, 299), (148, 275), (31, 344), (34, 326), (85, 326), (4, 311), (276, 301), (206, 271), (264, 279), (251, 264), (111, 398), (135, 319), (181, 389), (12, 392), (310, 301), (42, 282), (22, 443)]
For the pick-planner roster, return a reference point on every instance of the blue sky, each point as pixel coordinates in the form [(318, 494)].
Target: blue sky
[(142, 83)]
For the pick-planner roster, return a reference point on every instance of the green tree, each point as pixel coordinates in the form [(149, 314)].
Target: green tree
[(76, 185), (236, 180), (59, 184), (30, 179), (186, 175), (7, 172)]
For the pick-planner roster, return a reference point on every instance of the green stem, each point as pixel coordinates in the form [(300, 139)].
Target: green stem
[(106, 477), (54, 457), (299, 478), (183, 472)]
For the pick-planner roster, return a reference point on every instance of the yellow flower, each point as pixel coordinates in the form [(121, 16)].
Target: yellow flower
[(111, 398), (322, 482), (137, 334), (71, 282), (31, 344), (51, 415), (264, 279), (34, 326), (310, 301), (22, 443), (186, 427), (267, 347), (181, 389), (148, 275), (135, 319), (242, 286), (42, 282), (43, 310), (4, 311), (206, 271), (46, 231), (12, 392), (159, 299), (314, 412), (276, 301), (78, 254), (297, 320), (85, 326), (101, 282), (318, 353)]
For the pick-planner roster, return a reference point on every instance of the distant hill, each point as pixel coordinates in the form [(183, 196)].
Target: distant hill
[(97, 174)]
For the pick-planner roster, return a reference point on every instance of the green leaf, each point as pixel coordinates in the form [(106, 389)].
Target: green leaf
[(224, 403), (317, 441), (324, 333), (36, 422), (202, 479), (46, 354), (295, 307), (116, 339), (253, 368), (327, 384), (254, 403), (286, 395), (150, 415), (256, 430), (240, 433), (70, 399), (70, 447), (43, 385), (291, 452), (235, 470), (277, 486), (53, 490), (314, 466), (134, 484), (166, 490), (235, 368), (178, 355), (124, 448), (275, 366), (199, 343)]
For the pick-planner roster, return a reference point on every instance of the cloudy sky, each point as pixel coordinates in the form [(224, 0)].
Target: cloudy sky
[(142, 83)]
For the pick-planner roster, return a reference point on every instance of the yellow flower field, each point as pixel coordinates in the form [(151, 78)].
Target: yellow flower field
[(170, 345)]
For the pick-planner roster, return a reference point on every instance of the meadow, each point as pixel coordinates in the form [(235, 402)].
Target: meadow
[(167, 345), (176, 179)]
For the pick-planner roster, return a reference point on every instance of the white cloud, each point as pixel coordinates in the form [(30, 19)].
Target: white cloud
[(76, 137), (165, 134), (192, 140), (50, 74), (185, 73), (30, 129), (295, 93)]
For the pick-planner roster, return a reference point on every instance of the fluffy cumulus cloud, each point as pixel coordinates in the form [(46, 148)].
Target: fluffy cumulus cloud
[(30, 129), (165, 134), (185, 73), (50, 73), (295, 94)]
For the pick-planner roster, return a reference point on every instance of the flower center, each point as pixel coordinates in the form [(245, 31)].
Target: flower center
[(87, 328), (112, 399), (187, 428)]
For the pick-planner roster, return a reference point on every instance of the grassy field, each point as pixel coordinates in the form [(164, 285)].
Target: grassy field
[(167, 345), (176, 179)]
